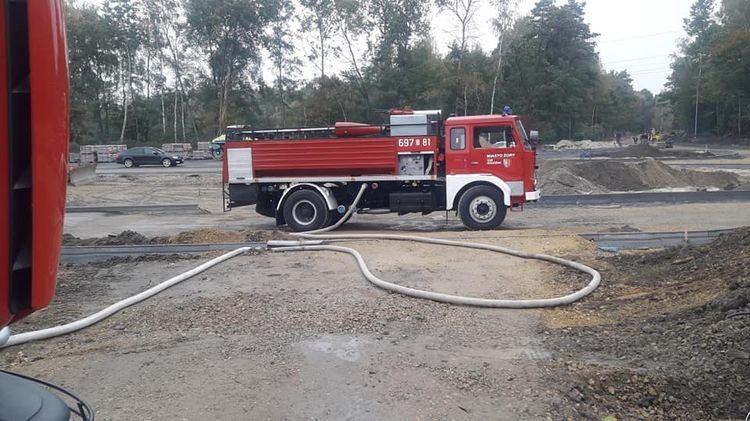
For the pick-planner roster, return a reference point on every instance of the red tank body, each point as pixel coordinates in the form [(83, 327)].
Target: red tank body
[(338, 157)]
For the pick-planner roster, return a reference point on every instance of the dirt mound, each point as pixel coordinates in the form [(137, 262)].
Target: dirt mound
[(584, 177), (123, 238), (206, 236), (200, 236), (666, 335), (644, 150)]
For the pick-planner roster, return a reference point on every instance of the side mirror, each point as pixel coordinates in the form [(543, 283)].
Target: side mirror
[(155, 153), (534, 135)]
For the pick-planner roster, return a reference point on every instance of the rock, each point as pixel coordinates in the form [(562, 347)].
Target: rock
[(646, 401), (683, 261), (611, 390), (575, 394), (737, 354)]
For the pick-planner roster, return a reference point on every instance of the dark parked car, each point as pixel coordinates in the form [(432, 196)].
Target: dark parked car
[(145, 155)]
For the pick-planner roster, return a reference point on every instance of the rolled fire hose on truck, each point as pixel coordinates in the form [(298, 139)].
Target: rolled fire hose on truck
[(315, 241)]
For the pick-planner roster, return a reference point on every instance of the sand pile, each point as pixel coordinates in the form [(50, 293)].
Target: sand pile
[(588, 177)]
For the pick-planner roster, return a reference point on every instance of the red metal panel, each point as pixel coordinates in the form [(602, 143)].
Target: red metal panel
[(5, 314), (334, 157), (49, 126)]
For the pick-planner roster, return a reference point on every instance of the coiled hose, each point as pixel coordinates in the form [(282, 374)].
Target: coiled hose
[(314, 241)]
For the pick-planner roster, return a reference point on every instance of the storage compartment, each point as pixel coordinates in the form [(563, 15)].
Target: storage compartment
[(243, 194), (414, 164), (406, 202)]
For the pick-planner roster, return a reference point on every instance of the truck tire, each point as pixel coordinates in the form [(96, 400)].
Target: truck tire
[(305, 210), (482, 208)]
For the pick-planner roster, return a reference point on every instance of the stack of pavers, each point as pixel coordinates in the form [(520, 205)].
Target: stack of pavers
[(103, 153), (182, 149), (203, 151)]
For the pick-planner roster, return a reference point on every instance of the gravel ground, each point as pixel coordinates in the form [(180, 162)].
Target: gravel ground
[(303, 335), (268, 336)]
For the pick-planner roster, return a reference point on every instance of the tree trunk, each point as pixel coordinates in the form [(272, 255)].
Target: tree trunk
[(124, 105), (175, 114), (182, 116), (322, 49), (497, 74), (360, 79)]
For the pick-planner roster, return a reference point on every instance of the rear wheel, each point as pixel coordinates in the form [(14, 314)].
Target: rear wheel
[(482, 208), (305, 210)]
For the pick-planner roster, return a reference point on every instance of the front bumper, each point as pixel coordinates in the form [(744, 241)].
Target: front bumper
[(533, 196)]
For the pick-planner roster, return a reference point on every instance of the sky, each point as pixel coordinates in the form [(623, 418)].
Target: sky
[(634, 35)]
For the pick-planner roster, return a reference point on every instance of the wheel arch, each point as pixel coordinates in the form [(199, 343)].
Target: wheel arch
[(457, 185), (325, 192)]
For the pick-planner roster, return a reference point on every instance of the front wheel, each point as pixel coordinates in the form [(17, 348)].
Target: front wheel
[(482, 208), (128, 163), (166, 162), (217, 153), (305, 210)]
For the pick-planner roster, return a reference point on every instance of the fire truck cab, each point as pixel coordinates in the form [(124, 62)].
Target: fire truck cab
[(307, 178)]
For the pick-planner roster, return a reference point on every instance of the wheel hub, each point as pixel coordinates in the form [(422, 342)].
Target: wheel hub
[(482, 209), (304, 212)]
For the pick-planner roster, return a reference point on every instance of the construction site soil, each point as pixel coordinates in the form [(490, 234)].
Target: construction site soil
[(666, 336), (199, 236), (603, 176)]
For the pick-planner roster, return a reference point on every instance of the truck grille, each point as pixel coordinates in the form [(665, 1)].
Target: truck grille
[(19, 155)]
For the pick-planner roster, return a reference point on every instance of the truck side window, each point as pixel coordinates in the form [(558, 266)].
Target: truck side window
[(494, 137), (458, 138)]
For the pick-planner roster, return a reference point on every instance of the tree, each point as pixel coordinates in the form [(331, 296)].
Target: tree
[(230, 33), (285, 64), (463, 11), (502, 24), (551, 70), (320, 17)]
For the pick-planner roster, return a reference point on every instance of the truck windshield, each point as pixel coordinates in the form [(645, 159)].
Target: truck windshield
[(526, 143)]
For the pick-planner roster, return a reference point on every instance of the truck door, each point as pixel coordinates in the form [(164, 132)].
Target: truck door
[(494, 149), (457, 155)]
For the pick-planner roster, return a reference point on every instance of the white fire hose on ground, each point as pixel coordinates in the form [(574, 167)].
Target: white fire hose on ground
[(313, 240)]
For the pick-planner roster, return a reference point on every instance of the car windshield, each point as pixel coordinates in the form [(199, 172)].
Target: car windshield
[(158, 150)]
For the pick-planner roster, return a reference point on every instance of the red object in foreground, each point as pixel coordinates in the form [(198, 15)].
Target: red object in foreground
[(33, 152)]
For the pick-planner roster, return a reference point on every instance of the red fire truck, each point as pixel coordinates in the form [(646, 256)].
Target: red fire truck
[(306, 178)]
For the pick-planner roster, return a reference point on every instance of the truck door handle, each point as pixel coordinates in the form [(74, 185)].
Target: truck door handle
[(474, 163)]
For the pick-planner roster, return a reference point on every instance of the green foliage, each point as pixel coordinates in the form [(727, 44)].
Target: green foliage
[(713, 69), (153, 71)]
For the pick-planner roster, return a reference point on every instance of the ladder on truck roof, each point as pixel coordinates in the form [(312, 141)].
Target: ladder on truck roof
[(247, 133), (400, 125)]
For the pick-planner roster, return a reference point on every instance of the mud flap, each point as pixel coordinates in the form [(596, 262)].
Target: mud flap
[(85, 174)]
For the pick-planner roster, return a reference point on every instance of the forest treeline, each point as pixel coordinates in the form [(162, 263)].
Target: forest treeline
[(153, 71)]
